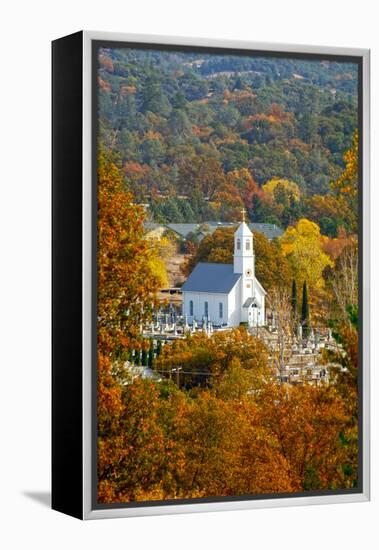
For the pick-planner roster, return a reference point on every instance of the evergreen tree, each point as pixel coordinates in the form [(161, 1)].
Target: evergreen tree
[(153, 98), (138, 358), (305, 311), (150, 361), (144, 358), (159, 347)]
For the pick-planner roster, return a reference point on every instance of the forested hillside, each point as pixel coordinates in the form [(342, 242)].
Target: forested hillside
[(199, 136)]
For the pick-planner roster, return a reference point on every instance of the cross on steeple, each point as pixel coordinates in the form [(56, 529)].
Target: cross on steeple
[(243, 212)]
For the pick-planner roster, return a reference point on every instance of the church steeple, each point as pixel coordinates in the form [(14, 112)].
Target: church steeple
[(243, 249)]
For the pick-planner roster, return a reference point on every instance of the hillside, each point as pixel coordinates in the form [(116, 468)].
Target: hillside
[(198, 136)]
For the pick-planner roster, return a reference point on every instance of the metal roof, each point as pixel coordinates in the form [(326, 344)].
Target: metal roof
[(183, 229), (212, 278), (249, 302), (270, 230)]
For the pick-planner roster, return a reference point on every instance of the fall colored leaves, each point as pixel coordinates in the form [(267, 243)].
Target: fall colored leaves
[(227, 428), (171, 445)]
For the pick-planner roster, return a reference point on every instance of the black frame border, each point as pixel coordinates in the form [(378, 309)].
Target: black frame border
[(67, 345)]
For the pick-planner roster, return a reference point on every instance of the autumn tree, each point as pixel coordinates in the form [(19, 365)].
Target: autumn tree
[(203, 358), (279, 301), (133, 457), (302, 245), (201, 173), (343, 366), (125, 293), (330, 213), (307, 422), (346, 186), (226, 452), (344, 284), (281, 190)]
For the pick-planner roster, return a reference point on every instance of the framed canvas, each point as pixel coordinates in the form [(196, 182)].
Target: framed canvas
[(210, 275)]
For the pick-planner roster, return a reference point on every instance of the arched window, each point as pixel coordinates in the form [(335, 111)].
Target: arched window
[(220, 310), (191, 307), (248, 244), (238, 244), (206, 309)]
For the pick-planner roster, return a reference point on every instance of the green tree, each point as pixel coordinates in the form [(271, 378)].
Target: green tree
[(153, 98), (151, 354)]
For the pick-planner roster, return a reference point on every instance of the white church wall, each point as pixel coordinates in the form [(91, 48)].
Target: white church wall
[(199, 298), (234, 301)]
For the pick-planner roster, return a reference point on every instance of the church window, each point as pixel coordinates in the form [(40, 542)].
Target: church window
[(206, 309), (220, 310), (238, 244), (248, 244), (191, 307)]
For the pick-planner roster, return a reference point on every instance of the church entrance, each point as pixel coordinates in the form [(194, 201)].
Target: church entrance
[(254, 316)]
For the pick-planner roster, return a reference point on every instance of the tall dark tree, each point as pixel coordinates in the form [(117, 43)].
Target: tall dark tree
[(159, 347), (305, 310), (150, 360)]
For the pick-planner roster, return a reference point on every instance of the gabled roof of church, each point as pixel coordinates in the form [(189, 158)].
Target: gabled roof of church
[(249, 302), (212, 278)]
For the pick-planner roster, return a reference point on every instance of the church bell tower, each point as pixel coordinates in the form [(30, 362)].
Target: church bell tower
[(243, 250), (244, 263)]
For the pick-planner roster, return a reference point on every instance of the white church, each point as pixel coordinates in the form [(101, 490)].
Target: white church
[(227, 294)]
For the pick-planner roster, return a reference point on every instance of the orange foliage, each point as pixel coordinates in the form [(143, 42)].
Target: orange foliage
[(123, 303)]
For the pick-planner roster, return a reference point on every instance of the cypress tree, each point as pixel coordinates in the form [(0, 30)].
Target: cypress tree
[(144, 358), (294, 298), (305, 311), (138, 362), (150, 360), (159, 347)]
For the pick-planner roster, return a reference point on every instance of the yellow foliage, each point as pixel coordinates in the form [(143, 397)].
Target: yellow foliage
[(286, 186), (303, 246), (158, 267)]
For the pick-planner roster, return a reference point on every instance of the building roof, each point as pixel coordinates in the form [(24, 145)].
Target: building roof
[(249, 302), (212, 278), (183, 229), (270, 230)]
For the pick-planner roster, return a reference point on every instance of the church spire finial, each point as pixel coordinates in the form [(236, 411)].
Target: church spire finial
[(243, 212)]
